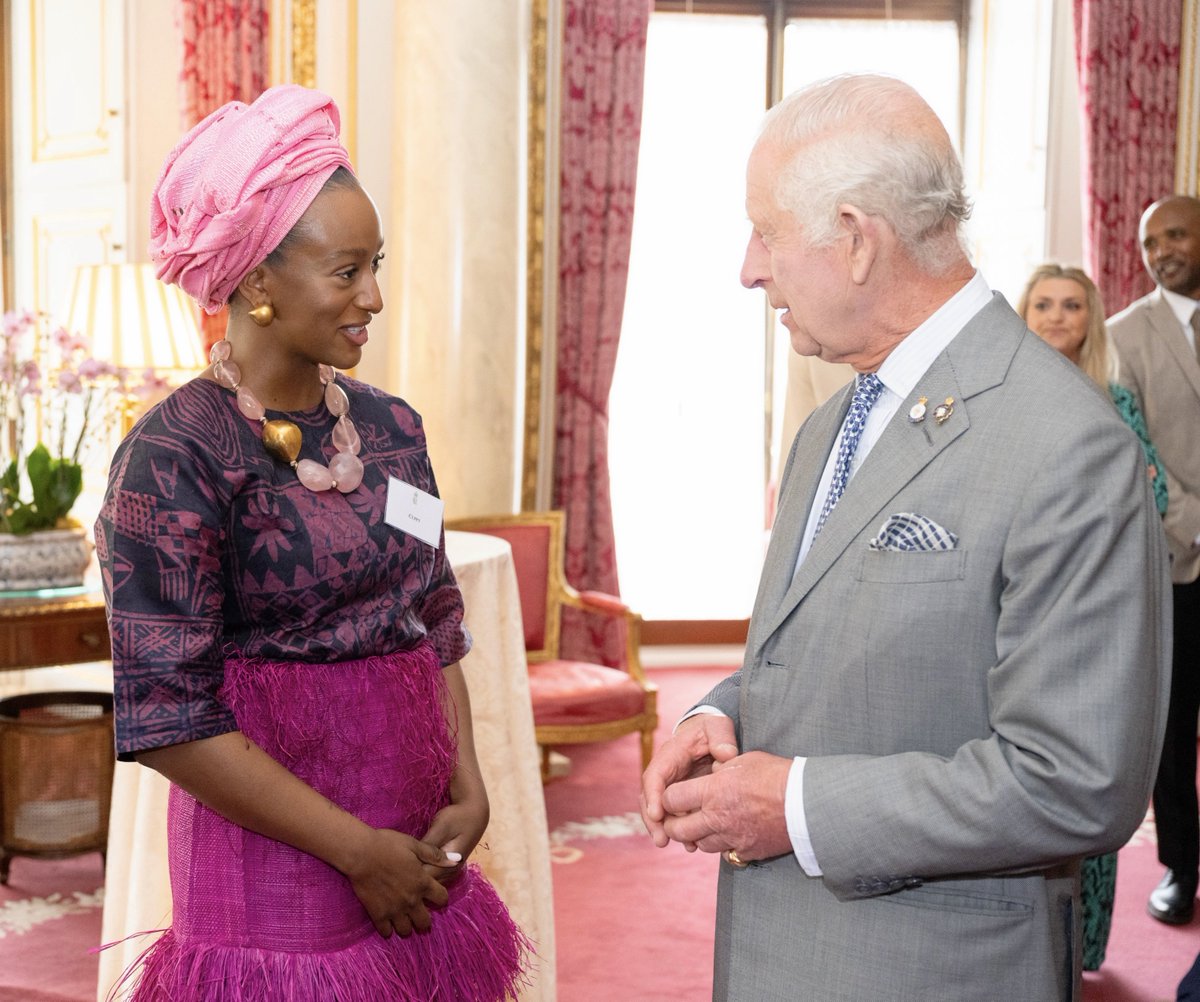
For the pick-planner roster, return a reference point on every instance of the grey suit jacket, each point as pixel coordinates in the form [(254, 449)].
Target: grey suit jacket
[(975, 719), (1160, 368)]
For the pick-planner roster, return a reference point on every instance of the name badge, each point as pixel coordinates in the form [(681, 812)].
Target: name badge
[(412, 510)]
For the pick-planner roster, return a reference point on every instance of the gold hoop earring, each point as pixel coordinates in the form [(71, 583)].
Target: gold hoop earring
[(263, 315)]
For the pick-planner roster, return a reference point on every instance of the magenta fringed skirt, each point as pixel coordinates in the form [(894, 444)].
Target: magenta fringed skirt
[(258, 921)]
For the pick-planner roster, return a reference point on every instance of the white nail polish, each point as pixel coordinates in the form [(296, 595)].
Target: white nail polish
[(454, 857)]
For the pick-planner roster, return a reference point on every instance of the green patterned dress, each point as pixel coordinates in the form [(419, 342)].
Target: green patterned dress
[(1098, 876)]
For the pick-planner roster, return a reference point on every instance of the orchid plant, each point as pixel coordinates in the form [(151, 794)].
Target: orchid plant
[(57, 396)]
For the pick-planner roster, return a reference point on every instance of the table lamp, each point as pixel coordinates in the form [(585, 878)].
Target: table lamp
[(135, 321)]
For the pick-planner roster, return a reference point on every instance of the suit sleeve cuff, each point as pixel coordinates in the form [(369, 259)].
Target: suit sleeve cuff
[(797, 823)]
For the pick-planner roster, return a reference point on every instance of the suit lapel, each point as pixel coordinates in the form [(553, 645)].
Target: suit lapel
[(1166, 327), (799, 487), (975, 360)]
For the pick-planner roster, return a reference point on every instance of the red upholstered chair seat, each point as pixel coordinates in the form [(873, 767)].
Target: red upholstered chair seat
[(573, 701), (576, 692)]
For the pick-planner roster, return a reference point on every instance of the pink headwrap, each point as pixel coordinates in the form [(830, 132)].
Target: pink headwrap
[(236, 184)]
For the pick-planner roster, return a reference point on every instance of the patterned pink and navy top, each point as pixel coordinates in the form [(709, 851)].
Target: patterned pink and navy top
[(209, 548)]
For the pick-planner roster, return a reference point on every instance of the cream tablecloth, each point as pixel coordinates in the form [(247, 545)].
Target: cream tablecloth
[(514, 851)]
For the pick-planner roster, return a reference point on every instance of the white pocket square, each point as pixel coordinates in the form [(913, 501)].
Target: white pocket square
[(911, 532)]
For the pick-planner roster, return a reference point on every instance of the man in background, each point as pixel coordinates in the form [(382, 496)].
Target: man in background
[(955, 680), (1156, 339)]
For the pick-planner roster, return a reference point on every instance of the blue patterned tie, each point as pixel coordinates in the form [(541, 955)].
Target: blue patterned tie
[(866, 392)]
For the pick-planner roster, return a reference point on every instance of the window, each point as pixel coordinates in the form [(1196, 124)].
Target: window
[(697, 395)]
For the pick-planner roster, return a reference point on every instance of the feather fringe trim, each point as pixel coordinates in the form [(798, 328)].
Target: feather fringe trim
[(474, 953)]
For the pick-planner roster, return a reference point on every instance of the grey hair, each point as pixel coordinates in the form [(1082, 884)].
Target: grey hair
[(872, 142)]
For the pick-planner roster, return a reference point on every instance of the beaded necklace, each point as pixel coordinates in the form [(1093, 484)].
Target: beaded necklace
[(281, 438)]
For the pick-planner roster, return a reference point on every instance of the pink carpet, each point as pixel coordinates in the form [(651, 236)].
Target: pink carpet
[(49, 921), (1145, 958), (633, 922)]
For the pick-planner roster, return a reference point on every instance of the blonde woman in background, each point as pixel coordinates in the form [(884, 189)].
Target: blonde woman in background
[(1063, 307)]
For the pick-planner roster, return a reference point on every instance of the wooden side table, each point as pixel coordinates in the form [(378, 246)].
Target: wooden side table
[(52, 626)]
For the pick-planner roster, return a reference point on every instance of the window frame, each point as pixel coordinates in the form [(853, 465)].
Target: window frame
[(779, 12), (919, 10)]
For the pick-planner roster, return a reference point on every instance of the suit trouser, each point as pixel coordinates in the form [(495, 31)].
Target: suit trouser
[(1176, 811), (1189, 987)]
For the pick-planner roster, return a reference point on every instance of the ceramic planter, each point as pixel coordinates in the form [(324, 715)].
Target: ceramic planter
[(53, 558)]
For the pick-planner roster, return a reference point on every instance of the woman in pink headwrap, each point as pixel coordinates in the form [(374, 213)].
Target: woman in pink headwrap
[(285, 643)]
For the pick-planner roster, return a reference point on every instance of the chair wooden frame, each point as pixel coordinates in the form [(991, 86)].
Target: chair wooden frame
[(560, 593)]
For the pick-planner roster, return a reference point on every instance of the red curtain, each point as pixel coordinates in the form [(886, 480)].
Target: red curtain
[(604, 56), (1127, 56), (226, 57)]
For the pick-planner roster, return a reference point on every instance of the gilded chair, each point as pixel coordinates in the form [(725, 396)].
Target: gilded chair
[(574, 702)]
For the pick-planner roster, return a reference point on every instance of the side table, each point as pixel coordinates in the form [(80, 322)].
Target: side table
[(52, 626)]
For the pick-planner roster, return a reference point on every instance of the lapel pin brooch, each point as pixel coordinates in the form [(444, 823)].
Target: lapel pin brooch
[(943, 411), (917, 414)]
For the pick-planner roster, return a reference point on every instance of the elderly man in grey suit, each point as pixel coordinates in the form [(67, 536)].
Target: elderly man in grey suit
[(1157, 340), (956, 671)]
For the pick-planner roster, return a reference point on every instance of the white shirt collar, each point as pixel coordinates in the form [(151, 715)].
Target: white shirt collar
[(913, 356), (1182, 306)]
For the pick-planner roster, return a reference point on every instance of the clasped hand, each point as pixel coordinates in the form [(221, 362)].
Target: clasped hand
[(699, 791), (392, 879), (401, 877), (460, 825)]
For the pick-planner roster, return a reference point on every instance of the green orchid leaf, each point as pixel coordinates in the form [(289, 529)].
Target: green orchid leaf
[(25, 518), (64, 486), (37, 468), (56, 484), (10, 482)]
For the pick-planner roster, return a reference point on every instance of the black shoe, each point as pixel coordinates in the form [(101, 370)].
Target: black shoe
[(1174, 900)]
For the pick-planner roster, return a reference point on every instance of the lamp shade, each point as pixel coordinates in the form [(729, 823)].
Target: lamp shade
[(135, 321)]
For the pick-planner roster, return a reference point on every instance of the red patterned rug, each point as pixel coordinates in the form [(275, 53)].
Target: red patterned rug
[(632, 922), (49, 921), (636, 923), (1145, 958)]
